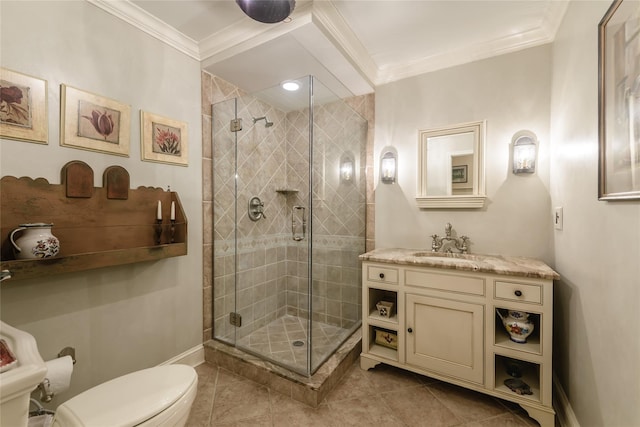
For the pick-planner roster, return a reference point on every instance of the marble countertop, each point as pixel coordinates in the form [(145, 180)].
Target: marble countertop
[(495, 264)]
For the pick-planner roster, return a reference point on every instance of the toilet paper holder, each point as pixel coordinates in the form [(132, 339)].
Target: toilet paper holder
[(68, 351), (45, 386)]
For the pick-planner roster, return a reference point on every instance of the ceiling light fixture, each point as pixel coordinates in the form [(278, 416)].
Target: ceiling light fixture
[(290, 85), (267, 11)]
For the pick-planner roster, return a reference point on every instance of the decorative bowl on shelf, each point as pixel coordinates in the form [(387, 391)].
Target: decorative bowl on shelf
[(385, 308)]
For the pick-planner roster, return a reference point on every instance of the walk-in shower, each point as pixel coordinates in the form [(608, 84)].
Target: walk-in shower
[(287, 229)]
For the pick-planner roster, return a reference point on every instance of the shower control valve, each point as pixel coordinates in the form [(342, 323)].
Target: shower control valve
[(255, 210)]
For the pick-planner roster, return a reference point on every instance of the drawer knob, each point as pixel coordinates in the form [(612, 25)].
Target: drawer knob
[(409, 330), (382, 275), (518, 293)]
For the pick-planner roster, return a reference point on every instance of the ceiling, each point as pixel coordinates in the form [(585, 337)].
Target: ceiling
[(351, 46)]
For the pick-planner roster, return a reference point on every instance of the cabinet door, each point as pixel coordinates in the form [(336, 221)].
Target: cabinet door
[(446, 336)]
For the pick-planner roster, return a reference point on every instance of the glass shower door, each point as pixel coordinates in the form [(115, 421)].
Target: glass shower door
[(224, 155)]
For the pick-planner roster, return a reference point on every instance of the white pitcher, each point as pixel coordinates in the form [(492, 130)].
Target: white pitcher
[(36, 242)]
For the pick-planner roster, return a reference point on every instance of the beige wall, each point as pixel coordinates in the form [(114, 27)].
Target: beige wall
[(123, 318), (598, 252), (510, 92)]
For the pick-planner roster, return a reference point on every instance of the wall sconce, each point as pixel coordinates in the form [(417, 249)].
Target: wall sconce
[(346, 168), (388, 167), (525, 151)]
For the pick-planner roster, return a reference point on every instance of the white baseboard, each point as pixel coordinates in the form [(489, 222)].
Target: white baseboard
[(192, 357), (566, 416)]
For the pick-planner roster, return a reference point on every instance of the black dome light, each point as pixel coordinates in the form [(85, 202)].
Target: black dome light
[(267, 11)]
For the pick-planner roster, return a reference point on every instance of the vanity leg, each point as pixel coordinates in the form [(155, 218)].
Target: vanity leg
[(366, 363), (545, 418)]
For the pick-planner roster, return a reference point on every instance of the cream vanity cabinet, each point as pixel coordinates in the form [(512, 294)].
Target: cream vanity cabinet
[(444, 321)]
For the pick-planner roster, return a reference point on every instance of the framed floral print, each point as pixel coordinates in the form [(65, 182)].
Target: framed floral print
[(23, 107), (619, 102), (164, 140), (93, 122)]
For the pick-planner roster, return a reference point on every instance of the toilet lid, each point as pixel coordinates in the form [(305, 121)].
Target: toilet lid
[(128, 400)]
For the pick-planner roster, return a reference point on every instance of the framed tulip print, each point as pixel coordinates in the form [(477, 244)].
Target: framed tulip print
[(164, 140), (23, 107), (619, 102), (93, 122)]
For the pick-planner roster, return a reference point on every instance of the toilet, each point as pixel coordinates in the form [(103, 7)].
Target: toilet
[(158, 396)]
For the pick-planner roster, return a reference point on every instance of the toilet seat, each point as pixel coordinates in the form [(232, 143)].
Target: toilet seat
[(132, 399)]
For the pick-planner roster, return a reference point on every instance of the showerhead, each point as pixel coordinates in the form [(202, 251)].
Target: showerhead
[(267, 123)]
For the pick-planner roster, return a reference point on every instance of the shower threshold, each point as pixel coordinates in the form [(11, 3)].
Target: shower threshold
[(309, 390)]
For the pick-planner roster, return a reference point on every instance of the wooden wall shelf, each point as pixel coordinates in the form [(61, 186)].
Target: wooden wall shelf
[(95, 228)]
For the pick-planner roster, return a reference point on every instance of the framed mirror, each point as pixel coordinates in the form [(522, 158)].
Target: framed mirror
[(451, 166)]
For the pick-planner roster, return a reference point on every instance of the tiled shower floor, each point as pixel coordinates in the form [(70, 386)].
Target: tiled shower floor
[(277, 341)]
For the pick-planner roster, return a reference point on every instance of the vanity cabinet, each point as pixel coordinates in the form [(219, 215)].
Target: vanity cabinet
[(445, 323), (445, 336)]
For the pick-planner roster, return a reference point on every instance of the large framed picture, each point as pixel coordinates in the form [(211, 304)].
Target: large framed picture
[(23, 107), (93, 122), (164, 140), (619, 102)]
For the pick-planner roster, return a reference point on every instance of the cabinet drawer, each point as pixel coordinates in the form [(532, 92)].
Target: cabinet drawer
[(445, 282), (520, 292), (382, 274)]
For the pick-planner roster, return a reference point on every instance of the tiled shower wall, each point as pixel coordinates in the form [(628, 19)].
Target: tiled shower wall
[(274, 276)]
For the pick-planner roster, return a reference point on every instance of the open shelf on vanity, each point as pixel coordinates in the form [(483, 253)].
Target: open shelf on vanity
[(377, 296), (533, 342), (97, 226), (530, 374), (377, 349)]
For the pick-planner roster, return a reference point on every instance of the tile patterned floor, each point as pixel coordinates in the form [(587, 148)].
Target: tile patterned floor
[(384, 396), (275, 341)]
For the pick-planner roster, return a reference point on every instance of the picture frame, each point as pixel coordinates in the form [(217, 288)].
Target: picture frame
[(23, 107), (619, 102), (459, 174), (163, 140), (93, 122)]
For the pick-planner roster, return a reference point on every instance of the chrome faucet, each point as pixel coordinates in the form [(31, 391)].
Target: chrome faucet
[(459, 243)]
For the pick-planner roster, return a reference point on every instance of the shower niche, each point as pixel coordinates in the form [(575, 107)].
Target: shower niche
[(291, 280)]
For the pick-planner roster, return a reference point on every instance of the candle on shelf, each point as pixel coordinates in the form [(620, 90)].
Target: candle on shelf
[(173, 211), (159, 211)]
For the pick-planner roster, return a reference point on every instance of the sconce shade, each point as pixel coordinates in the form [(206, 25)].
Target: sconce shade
[(388, 168), (524, 155), (267, 11)]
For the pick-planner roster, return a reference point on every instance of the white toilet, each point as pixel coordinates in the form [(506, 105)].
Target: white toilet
[(159, 396)]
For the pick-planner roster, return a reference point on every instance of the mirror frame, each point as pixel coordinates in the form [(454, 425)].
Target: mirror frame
[(473, 201)]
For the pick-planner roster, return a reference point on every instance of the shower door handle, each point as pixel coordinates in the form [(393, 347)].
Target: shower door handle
[(294, 235)]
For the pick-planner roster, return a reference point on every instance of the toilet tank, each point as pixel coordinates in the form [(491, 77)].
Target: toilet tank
[(19, 380)]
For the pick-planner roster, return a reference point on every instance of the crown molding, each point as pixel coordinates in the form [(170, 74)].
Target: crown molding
[(499, 46), (238, 38), (325, 17), (329, 21), (553, 18), (151, 25)]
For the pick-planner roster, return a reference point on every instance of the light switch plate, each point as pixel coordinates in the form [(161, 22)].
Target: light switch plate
[(557, 218)]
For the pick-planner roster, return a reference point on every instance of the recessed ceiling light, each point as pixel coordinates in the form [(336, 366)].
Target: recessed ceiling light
[(290, 85)]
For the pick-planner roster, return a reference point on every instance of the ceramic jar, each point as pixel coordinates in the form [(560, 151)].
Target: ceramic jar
[(517, 324), (35, 242)]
